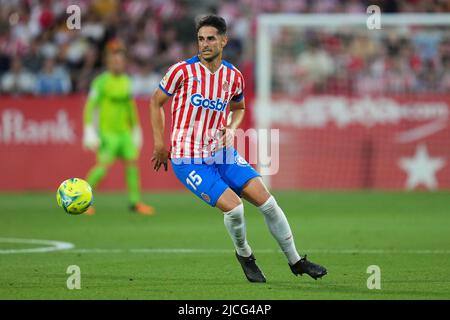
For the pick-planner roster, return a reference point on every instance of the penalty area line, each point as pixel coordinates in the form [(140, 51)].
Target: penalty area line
[(228, 251), (50, 245), (67, 247)]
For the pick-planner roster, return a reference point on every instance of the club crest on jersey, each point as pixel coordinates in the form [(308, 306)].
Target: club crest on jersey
[(164, 80), (240, 161), (205, 197), (198, 100), (225, 86)]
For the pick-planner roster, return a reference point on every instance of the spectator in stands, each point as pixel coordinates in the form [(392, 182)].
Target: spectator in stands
[(90, 68), (18, 80), (49, 48), (145, 81), (445, 76), (399, 78), (53, 79), (159, 30), (33, 59), (427, 79), (427, 43), (315, 64)]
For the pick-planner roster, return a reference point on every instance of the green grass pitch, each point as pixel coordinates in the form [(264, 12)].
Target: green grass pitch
[(184, 252)]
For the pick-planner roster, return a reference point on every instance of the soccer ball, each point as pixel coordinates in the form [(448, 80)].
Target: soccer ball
[(74, 196)]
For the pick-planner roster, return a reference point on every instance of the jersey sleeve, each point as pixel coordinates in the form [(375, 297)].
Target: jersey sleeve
[(172, 79), (92, 100), (239, 93), (132, 107)]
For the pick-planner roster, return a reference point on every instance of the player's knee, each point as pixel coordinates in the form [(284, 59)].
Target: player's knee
[(264, 197), (236, 214), (130, 163), (104, 166), (269, 205), (237, 205), (228, 201), (260, 197), (232, 205), (256, 192)]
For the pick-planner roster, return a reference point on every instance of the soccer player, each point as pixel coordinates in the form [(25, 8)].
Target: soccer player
[(202, 154), (120, 135)]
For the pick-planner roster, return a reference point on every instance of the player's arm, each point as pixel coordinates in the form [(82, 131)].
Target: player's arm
[(237, 111), (160, 152), (135, 124), (235, 117), (167, 88), (90, 137)]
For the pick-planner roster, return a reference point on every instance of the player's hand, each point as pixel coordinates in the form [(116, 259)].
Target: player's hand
[(137, 137), (226, 139), (90, 138), (160, 157)]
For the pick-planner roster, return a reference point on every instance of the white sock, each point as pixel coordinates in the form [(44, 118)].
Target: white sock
[(235, 224), (279, 227)]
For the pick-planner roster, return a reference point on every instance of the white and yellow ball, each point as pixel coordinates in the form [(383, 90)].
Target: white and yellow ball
[(74, 196)]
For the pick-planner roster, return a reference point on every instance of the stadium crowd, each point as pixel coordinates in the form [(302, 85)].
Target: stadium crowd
[(40, 55), (398, 61)]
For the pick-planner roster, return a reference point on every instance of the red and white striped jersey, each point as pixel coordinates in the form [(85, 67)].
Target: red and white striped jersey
[(199, 105)]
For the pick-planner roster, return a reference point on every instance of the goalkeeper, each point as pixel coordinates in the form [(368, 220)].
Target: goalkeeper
[(119, 135)]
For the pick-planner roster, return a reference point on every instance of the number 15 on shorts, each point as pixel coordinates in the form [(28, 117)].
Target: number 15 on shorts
[(193, 180)]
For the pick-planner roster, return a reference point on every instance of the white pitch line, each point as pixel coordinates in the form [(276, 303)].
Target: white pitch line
[(51, 245), (66, 247), (212, 251)]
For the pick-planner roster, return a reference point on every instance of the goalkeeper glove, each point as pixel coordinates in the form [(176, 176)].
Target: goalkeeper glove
[(90, 138), (137, 137)]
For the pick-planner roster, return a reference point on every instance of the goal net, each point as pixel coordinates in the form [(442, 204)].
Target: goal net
[(356, 108)]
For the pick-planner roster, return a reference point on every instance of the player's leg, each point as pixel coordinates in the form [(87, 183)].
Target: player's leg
[(205, 182), (129, 153), (233, 216), (99, 170), (96, 173), (106, 155), (94, 176), (246, 182), (256, 193)]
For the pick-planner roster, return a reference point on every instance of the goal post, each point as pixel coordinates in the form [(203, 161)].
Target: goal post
[(334, 130)]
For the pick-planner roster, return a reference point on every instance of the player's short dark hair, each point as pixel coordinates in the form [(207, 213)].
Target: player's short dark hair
[(113, 47), (213, 21)]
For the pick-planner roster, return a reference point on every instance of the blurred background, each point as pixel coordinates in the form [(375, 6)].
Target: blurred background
[(356, 108)]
